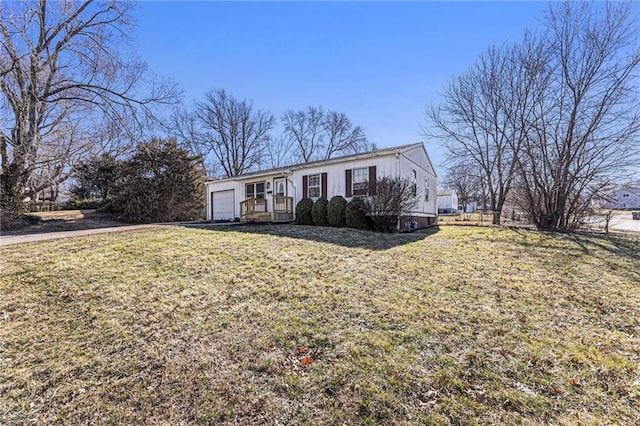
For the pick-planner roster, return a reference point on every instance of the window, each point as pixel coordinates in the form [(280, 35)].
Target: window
[(313, 186), (426, 189), (255, 190), (414, 183), (359, 181)]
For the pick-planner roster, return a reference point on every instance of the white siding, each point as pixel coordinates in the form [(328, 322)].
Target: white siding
[(239, 186), (418, 155), (625, 198), (387, 163), (336, 182), (448, 201), (417, 159)]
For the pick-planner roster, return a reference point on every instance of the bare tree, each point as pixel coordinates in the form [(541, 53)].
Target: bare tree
[(341, 136), (233, 131), (558, 116), (317, 134), (474, 122), (584, 127), (464, 179), (393, 198), (279, 153), (61, 66), (304, 130), (184, 126)]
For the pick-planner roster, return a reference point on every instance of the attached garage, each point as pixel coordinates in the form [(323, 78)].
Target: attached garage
[(223, 205)]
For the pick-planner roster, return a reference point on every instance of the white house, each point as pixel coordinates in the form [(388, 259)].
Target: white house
[(271, 195), (447, 201), (470, 207), (626, 197)]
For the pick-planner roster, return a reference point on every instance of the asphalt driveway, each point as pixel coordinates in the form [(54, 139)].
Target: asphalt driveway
[(28, 238)]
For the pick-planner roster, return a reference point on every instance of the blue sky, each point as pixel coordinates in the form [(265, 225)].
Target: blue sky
[(381, 63)]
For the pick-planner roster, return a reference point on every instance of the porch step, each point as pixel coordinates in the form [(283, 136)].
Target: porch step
[(257, 217), (282, 217), (268, 217)]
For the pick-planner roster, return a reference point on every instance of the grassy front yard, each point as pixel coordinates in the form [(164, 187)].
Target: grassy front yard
[(296, 325)]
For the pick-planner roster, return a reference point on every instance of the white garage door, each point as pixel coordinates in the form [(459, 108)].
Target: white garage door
[(223, 205)]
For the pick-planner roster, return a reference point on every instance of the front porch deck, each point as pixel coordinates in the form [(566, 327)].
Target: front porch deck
[(256, 209)]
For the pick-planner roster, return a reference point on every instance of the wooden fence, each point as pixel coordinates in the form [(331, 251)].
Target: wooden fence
[(42, 206)]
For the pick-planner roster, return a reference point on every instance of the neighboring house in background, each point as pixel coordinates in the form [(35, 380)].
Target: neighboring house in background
[(271, 195), (447, 202), (471, 207), (626, 197)]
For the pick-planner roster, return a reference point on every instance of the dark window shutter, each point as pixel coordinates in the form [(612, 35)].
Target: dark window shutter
[(323, 184), (372, 180), (347, 183), (305, 186)]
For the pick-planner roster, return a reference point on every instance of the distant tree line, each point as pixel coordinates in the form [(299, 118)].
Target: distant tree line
[(552, 120)]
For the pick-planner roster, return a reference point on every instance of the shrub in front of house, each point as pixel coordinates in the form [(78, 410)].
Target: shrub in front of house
[(303, 212), (335, 211), (355, 214), (386, 224), (319, 212), (393, 198)]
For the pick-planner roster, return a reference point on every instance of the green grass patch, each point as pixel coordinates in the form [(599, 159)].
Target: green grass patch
[(309, 325)]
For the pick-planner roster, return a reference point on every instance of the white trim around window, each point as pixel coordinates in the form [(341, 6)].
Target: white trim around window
[(359, 181), (254, 190), (314, 183), (426, 189)]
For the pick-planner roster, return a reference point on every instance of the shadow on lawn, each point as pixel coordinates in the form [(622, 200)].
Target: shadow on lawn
[(598, 246), (345, 237), (82, 221)]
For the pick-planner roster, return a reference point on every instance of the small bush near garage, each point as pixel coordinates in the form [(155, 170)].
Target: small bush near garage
[(356, 214), (335, 211), (319, 212), (303, 212)]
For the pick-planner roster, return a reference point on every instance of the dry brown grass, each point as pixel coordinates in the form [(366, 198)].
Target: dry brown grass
[(303, 325), (481, 218)]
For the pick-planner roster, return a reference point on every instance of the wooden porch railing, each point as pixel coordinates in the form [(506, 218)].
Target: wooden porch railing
[(282, 208), (282, 204), (256, 209), (252, 205)]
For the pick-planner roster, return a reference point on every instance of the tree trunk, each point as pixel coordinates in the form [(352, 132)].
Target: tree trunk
[(496, 218), (11, 197), (548, 221), (496, 208)]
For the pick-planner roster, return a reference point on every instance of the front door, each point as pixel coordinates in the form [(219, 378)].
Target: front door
[(280, 186)]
